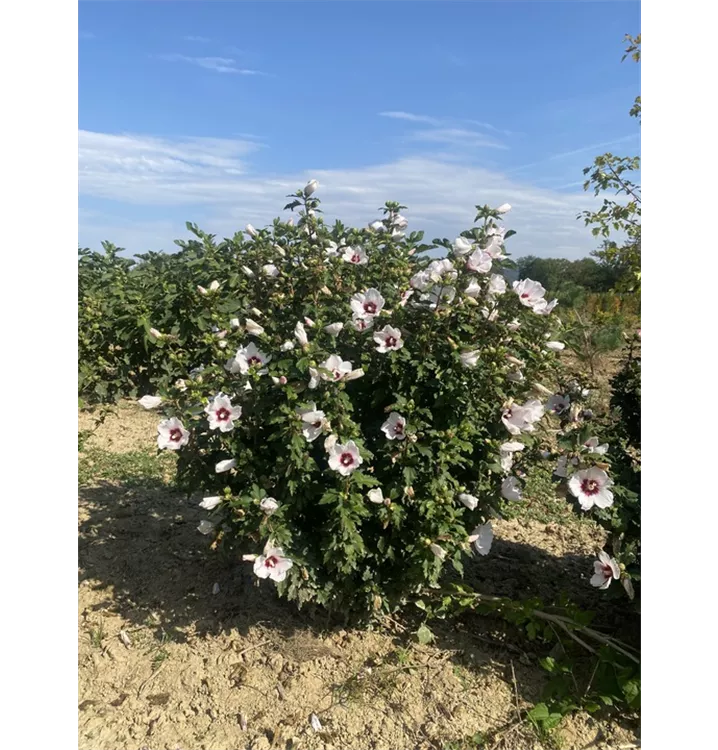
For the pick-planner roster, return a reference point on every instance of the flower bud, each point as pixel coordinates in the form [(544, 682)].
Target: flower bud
[(310, 187), (503, 208), (157, 334), (248, 271), (251, 231)]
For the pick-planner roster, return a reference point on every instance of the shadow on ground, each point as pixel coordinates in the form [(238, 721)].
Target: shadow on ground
[(143, 543)]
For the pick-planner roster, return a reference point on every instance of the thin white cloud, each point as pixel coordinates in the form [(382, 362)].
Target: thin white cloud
[(457, 137), (446, 130), (412, 118), (583, 149), (218, 64), (210, 181)]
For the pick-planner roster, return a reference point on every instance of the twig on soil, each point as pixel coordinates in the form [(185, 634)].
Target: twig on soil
[(516, 691), (395, 623), (500, 736), (249, 648), (149, 679)]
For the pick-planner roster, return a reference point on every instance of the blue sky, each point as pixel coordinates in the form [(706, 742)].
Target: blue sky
[(213, 111)]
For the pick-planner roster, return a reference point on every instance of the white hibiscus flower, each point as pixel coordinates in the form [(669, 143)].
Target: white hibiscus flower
[(313, 421), (605, 570), (367, 304), (468, 500), (591, 487), (272, 564), (221, 414), (388, 339), (355, 255), (479, 261), (395, 427), (470, 358), (226, 465), (345, 458), (481, 538), (150, 402), (511, 489), (171, 434), (530, 292), (246, 357), (334, 368)]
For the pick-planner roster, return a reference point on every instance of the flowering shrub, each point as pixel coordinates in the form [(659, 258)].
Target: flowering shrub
[(603, 474), (360, 416), (145, 323)]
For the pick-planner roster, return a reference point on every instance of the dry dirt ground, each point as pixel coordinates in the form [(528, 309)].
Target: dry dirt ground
[(239, 669)]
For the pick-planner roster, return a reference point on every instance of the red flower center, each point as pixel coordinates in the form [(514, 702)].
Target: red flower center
[(607, 570), (346, 459), (390, 341), (222, 414), (271, 562), (337, 374), (317, 424), (370, 307), (399, 428), (356, 258), (175, 434), (254, 361), (590, 487), (524, 295)]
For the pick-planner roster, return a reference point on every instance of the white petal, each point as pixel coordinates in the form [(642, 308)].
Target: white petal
[(210, 502), (226, 465), (316, 724), (150, 402), (376, 496)]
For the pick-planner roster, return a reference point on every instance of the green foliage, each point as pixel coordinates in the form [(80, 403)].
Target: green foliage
[(348, 554), (570, 281), (618, 221), (620, 431), (590, 337)]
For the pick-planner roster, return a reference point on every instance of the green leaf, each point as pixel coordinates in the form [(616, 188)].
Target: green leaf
[(539, 712), (424, 635)]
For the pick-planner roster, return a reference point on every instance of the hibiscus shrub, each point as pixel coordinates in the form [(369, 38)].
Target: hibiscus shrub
[(146, 321), (600, 461), (357, 425)]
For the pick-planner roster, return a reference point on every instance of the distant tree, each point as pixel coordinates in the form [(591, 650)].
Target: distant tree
[(618, 220), (568, 280)]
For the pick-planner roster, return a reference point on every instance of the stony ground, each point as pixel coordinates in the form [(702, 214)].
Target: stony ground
[(239, 669)]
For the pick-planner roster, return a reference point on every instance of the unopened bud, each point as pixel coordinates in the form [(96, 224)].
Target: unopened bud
[(310, 187), (251, 231)]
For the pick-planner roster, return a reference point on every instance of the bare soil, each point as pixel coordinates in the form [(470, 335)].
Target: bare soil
[(239, 669)]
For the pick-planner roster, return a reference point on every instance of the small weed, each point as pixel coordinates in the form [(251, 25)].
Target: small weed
[(159, 652), (460, 674), (475, 742), (97, 635)]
